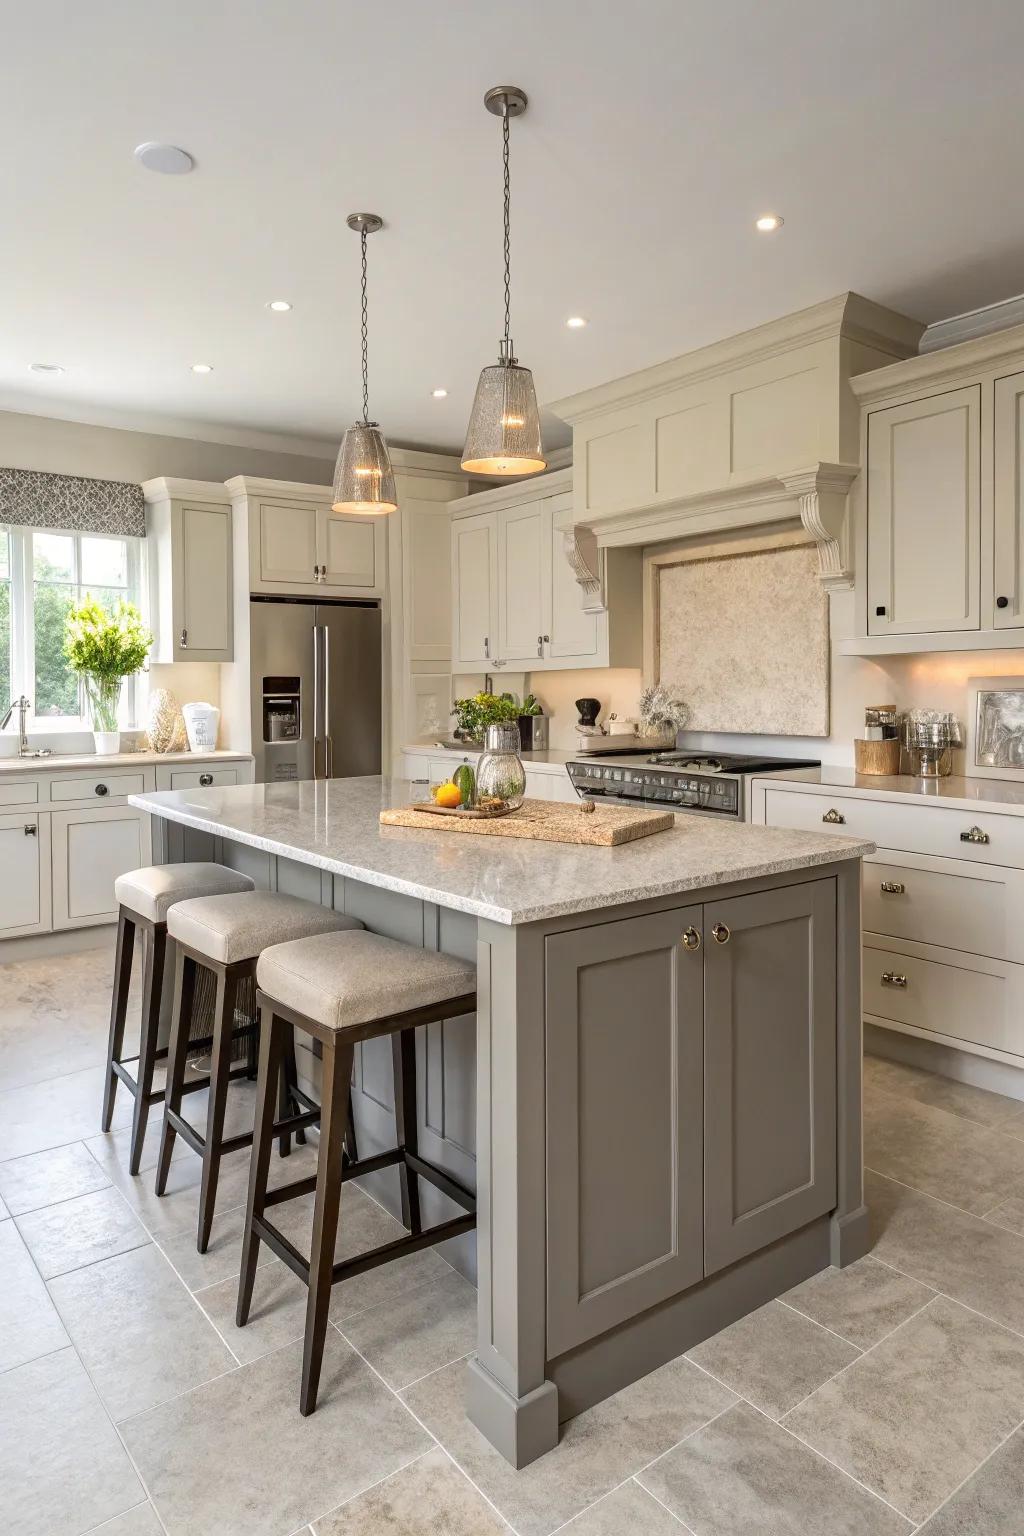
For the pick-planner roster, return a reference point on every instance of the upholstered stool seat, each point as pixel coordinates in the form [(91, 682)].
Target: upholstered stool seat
[(232, 928), (225, 935), (150, 891), (143, 898), (340, 988), (350, 978)]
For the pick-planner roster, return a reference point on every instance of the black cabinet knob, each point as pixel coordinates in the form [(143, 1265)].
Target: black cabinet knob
[(1002, 602), (206, 779), (880, 612), (101, 789)]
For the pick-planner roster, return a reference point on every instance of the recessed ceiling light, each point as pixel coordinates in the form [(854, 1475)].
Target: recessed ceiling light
[(768, 223), (576, 322), (47, 368), (439, 394), (167, 159), (202, 367), (279, 306)]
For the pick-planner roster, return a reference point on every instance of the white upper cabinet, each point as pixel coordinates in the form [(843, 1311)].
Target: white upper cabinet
[(924, 514), (474, 592), (347, 545), (298, 545), (516, 599), (189, 552), (287, 547), (1008, 493), (939, 505)]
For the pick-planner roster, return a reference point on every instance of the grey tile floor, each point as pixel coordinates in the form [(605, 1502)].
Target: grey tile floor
[(887, 1398)]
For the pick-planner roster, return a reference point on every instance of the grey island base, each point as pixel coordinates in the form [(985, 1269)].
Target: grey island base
[(659, 1100)]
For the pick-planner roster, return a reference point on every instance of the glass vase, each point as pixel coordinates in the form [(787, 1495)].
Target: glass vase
[(500, 775), (103, 697)]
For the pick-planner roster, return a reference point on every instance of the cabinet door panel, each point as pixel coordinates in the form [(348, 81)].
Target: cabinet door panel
[(25, 887), (202, 620), (287, 542), (1009, 502), (624, 1121), (428, 579), (521, 615), (770, 1067), (574, 634), (90, 850), (347, 546), (474, 591), (924, 515)]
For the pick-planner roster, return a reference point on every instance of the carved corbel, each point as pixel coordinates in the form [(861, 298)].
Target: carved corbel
[(580, 548), (823, 490)]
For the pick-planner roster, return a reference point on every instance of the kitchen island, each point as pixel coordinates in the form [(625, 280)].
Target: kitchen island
[(665, 1131)]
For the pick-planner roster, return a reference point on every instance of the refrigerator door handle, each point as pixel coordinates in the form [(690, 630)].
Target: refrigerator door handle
[(318, 697), (328, 743)]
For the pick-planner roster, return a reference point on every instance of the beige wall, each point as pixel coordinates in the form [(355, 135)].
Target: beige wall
[(113, 453)]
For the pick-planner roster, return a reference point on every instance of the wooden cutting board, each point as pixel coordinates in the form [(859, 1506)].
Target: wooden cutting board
[(605, 827)]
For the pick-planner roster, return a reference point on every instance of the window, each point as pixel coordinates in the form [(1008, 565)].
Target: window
[(42, 574)]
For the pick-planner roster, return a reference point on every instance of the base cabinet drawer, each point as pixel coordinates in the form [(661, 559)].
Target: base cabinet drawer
[(965, 998), (201, 778), (19, 791), (98, 786), (25, 882), (909, 825), (955, 905), (89, 850)]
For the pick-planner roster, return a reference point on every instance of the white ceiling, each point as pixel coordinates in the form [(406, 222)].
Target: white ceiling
[(887, 132)]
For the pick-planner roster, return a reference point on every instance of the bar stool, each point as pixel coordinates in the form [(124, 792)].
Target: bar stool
[(226, 935), (340, 988), (143, 898)]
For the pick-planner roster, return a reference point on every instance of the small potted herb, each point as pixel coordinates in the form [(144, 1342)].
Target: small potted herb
[(533, 726), (475, 714), (661, 716)]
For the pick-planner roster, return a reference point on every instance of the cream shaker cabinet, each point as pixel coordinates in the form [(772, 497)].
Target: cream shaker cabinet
[(1008, 496), (90, 849), (25, 888), (924, 514), (190, 571), (305, 545), (523, 605), (474, 592)]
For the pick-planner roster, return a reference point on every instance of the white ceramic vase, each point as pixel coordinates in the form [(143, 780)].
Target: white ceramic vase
[(107, 743)]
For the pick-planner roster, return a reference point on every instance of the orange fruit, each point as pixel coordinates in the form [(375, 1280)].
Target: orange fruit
[(449, 796)]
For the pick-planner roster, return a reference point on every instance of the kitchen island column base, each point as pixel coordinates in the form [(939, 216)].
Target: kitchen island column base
[(520, 1428)]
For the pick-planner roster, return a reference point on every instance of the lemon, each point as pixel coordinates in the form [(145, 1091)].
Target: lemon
[(448, 796)]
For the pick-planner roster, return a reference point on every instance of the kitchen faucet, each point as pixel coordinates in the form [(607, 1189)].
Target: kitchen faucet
[(22, 705)]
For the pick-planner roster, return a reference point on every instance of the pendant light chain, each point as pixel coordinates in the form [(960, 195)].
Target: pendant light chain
[(366, 385), (507, 206)]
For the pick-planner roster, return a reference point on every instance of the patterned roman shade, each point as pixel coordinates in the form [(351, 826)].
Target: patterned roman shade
[(33, 499)]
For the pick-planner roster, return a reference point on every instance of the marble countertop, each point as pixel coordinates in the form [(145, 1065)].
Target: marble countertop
[(955, 792), (333, 824), (553, 761), (114, 760)]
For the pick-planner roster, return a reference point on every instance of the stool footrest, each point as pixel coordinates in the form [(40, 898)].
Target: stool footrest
[(440, 1180), (346, 1269)]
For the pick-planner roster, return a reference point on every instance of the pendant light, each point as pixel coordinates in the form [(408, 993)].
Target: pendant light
[(363, 478), (503, 436)]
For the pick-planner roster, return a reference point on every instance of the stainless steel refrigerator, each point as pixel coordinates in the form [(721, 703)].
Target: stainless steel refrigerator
[(315, 688)]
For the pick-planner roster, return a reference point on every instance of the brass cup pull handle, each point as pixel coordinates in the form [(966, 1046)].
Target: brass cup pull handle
[(892, 888), (31, 830), (893, 979), (974, 835), (690, 939), (720, 933), (834, 818)]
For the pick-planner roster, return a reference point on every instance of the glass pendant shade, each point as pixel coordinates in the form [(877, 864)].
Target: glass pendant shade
[(503, 436), (363, 478)]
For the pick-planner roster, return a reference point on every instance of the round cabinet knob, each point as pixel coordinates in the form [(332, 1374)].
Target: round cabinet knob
[(1002, 602), (690, 939), (720, 933), (206, 779), (101, 789)]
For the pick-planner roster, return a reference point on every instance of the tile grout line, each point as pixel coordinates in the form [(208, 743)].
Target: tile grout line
[(961, 1210), (809, 1319), (780, 1425), (360, 1492), (682, 1523), (864, 1353), (957, 1302), (984, 1462)]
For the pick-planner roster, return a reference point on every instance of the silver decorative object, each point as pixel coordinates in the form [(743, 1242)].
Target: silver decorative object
[(503, 436), (363, 478)]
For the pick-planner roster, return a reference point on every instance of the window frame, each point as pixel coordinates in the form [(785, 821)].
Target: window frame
[(23, 659)]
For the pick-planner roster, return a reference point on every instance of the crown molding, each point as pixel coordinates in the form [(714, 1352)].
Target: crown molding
[(494, 497), (849, 315), (950, 365), (972, 323), (168, 488)]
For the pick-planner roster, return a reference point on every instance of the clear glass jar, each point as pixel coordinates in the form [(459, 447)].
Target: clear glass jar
[(500, 774)]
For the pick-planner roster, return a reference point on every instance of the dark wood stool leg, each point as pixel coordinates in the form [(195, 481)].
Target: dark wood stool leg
[(286, 1105), (152, 987), (220, 1068), (118, 1009), (181, 1020), (351, 1149), (403, 1056), (337, 1076), (271, 1051)]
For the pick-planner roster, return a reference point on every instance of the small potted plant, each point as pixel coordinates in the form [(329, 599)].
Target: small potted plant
[(662, 714), (104, 648), (475, 714), (533, 725)]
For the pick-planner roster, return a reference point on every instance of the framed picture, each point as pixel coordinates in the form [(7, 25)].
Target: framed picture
[(995, 727)]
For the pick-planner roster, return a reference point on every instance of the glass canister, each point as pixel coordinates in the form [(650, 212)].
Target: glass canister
[(500, 775)]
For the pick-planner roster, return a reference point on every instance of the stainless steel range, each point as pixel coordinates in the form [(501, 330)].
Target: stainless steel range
[(707, 783)]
